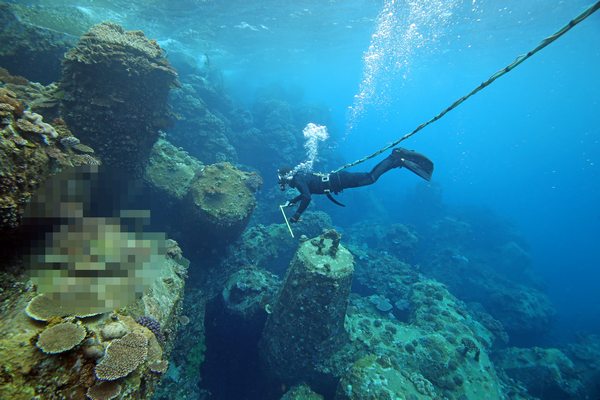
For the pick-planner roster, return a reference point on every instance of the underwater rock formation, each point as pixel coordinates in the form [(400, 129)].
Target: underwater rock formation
[(546, 373), (214, 201), (170, 171), (249, 292), (585, 354), (374, 378), (222, 200), (198, 127), (306, 325), (31, 150), (396, 239), (182, 378), (301, 392), (115, 85), (440, 352), (114, 346), (40, 99), (494, 276), (30, 50), (271, 247)]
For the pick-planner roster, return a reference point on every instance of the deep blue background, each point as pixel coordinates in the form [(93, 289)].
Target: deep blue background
[(528, 147)]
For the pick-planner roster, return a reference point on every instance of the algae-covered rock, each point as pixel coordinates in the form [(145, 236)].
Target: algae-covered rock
[(439, 347), (115, 85), (197, 128), (222, 199), (171, 170), (306, 324)]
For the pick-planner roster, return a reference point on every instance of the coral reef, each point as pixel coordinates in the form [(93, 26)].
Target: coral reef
[(30, 152), (221, 200), (40, 99), (171, 170), (28, 372), (153, 325), (104, 391), (199, 127), (60, 337), (399, 240), (182, 378), (116, 83), (546, 373), (429, 356), (585, 355), (214, 201), (374, 378), (122, 357), (306, 323), (96, 253)]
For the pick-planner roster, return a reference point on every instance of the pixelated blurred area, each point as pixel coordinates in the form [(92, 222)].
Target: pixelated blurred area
[(91, 265), (65, 195), (83, 263)]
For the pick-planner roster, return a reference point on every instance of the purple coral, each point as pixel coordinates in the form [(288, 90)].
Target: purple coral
[(153, 325)]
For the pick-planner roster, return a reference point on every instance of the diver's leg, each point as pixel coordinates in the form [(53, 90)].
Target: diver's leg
[(346, 180), (390, 162)]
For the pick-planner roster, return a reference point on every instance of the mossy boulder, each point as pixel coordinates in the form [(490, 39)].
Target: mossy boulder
[(171, 170), (222, 199)]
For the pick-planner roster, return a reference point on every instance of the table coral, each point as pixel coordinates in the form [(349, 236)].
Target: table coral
[(61, 337), (104, 391), (122, 357)]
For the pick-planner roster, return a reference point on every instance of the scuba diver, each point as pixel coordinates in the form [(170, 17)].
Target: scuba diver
[(309, 183)]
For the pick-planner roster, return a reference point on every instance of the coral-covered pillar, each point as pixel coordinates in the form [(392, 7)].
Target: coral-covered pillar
[(306, 325), (115, 86)]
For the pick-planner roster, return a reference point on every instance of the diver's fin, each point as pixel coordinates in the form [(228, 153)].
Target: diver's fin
[(333, 200), (415, 162)]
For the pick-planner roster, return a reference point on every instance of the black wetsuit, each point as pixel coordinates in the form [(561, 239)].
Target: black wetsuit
[(312, 183)]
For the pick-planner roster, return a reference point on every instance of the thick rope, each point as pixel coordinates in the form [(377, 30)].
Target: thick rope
[(520, 59)]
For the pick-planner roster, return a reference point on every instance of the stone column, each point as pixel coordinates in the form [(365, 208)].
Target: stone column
[(306, 324)]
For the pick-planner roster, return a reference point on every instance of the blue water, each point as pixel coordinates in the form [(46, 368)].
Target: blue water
[(527, 148), (522, 155)]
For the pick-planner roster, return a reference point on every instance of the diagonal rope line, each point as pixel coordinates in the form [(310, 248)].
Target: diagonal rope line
[(520, 59)]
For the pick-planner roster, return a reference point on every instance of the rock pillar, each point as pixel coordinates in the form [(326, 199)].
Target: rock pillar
[(306, 324)]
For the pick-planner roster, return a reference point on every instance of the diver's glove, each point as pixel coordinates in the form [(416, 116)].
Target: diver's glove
[(295, 218), (287, 204)]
